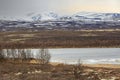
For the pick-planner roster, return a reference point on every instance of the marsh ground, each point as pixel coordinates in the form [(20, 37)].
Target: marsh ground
[(64, 39), (25, 71)]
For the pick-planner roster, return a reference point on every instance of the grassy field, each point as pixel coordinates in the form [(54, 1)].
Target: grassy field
[(58, 39), (25, 71)]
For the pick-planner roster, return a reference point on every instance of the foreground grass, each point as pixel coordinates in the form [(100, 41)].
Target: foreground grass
[(60, 39), (25, 71)]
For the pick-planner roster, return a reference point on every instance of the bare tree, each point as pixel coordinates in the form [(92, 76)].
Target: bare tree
[(29, 54), (1, 55), (43, 56), (13, 53), (8, 53), (19, 53), (23, 54)]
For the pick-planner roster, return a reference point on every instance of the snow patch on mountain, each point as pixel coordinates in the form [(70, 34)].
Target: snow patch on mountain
[(97, 16), (43, 16), (81, 16)]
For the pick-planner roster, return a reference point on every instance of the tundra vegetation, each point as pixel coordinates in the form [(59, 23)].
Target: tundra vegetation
[(15, 64), (60, 39)]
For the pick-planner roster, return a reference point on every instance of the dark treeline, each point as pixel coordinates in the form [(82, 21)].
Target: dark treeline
[(23, 55)]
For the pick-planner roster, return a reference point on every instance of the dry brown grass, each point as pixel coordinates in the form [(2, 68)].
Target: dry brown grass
[(60, 39), (18, 71)]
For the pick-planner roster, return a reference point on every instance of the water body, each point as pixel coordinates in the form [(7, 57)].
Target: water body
[(86, 55)]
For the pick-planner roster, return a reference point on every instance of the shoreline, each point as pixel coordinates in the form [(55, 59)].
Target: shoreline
[(103, 65), (90, 65)]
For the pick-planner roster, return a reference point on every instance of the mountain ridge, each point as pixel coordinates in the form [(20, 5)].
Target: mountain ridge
[(79, 16), (49, 16)]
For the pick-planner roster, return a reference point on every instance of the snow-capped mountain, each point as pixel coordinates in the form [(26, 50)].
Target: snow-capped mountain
[(81, 16), (96, 16), (50, 20), (85, 16), (43, 16)]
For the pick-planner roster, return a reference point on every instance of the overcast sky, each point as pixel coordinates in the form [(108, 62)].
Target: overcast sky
[(22, 7)]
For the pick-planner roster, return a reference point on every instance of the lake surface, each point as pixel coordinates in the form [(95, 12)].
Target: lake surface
[(86, 55)]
